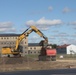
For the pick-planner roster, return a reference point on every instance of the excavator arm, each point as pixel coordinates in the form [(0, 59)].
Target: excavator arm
[(39, 32), (26, 33)]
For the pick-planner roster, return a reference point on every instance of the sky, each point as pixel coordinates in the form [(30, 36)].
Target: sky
[(56, 19)]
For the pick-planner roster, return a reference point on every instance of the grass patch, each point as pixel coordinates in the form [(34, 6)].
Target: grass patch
[(66, 56)]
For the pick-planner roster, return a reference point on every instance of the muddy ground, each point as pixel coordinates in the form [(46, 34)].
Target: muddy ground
[(19, 64)]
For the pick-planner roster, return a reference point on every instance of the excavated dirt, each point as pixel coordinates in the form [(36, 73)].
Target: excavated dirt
[(18, 64)]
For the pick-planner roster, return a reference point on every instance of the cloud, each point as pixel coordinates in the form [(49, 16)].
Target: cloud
[(7, 27), (50, 8), (5, 24), (61, 35), (34, 39), (23, 29), (64, 35), (55, 31), (67, 41), (66, 10), (7, 30), (44, 23), (72, 23), (64, 41), (52, 37), (73, 35)]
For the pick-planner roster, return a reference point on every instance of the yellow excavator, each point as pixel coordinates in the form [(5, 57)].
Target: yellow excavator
[(15, 51)]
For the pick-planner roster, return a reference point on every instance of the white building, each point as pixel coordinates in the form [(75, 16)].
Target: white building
[(71, 49)]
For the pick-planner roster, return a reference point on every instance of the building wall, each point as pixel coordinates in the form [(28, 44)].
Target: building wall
[(34, 50), (71, 49), (61, 50)]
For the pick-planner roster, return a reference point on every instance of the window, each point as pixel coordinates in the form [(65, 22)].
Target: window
[(7, 38), (2, 43), (22, 42), (25, 47), (5, 43), (34, 52), (34, 47), (25, 52), (1, 37), (15, 37), (31, 48), (11, 42), (39, 52)]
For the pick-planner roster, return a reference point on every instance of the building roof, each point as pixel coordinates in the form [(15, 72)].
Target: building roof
[(71, 45), (63, 46), (10, 34)]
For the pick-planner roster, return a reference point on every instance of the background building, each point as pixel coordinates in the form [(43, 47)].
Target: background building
[(9, 40), (34, 48), (71, 49), (62, 49)]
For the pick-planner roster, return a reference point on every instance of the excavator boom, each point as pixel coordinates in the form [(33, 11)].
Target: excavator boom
[(27, 32)]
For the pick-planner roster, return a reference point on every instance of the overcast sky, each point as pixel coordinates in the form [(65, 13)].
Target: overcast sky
[(55, 18)]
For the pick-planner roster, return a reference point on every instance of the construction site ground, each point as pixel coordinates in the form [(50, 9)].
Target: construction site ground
[(28, 63)]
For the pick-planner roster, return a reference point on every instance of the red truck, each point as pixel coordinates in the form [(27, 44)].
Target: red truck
[(47, 54)]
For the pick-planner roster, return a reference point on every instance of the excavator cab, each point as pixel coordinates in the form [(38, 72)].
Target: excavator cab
[(8, 51)]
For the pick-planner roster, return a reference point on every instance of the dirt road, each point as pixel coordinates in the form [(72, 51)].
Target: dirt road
[(15, 64)]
